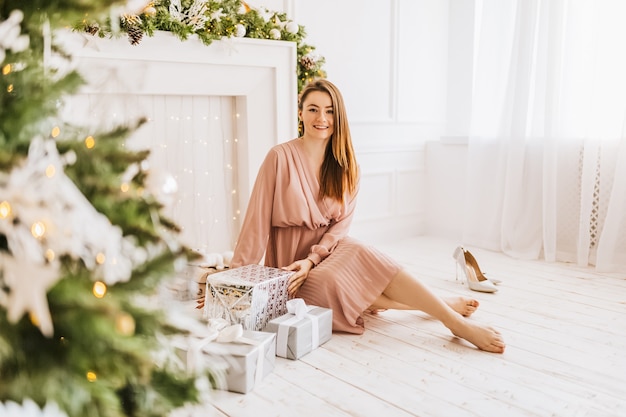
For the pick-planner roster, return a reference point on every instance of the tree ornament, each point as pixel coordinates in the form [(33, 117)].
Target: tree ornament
[(10, 37), (307, 62), (244, 8), (30, 409), (92, 29), (150, 11), (292, 27), (275, 34), (240, 30), (135, 33)]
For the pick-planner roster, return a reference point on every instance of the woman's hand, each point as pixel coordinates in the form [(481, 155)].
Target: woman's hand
[(200, 302), (302, 268)]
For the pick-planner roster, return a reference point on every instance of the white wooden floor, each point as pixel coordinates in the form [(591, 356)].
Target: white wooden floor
[(565, 328)]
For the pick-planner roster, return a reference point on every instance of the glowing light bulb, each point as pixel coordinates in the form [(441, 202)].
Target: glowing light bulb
[(99, 289), (38, 229), (50, 255), (91, 376), (90, 142), (6, 69), (5, 209), (125, 324), (100, 258), (50, 171), (56, 131), (124, 187), (33, 319)]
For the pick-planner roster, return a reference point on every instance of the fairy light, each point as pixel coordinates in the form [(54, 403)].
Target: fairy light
[(100, 258), (124, 187), (33, 319), (10, 88), (5, 209), (99, 289), (90, 142), (38, 229), (56, 131), (91, 376), (50, 171), (6, 70), (125, 324), (50, 255)]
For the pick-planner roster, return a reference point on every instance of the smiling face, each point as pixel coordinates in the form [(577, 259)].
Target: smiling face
[(317, 115)]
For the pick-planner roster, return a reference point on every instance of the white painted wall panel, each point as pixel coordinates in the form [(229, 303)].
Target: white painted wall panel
[(422, 60), (355, 38)]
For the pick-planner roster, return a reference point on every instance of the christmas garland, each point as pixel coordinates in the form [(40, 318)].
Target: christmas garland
[(211, 20)]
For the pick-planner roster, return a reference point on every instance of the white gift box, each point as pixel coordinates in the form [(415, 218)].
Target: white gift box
[(250, 295), (303, 329), (238, 359)]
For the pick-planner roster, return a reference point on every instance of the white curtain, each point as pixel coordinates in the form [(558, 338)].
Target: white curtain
[(193, 157), (547, 152)]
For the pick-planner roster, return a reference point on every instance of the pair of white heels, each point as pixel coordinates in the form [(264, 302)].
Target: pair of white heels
[(475, 278)]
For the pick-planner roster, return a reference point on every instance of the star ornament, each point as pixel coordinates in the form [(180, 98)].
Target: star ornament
[(27, 284)]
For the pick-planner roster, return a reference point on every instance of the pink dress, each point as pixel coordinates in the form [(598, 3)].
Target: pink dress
[(287, 221)]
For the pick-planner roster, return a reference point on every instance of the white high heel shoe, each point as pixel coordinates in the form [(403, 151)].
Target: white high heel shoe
[(476, 280)]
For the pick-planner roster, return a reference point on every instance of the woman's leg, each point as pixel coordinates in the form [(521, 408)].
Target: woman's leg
[(405, 290), (463, 305)]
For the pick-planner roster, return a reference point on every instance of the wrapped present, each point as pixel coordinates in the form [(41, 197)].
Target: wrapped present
[(301, 330), (238, 359), (250, 295)]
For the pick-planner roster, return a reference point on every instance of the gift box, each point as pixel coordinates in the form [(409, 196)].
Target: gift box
[(250, 295), (237, 359), (301, 330)]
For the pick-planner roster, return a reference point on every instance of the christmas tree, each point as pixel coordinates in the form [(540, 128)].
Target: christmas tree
[(84, 246)]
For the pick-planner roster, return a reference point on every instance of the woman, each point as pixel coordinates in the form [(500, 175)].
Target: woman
[(299, 215)]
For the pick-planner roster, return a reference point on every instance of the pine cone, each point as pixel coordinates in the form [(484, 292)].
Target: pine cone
[(135, 33), (307, 62), (92, 29)]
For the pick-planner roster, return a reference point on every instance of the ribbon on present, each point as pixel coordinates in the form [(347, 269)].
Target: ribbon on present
[(299, 309), (221, 331)]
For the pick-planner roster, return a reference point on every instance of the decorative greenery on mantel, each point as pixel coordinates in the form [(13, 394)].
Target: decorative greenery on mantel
[(210, 20)]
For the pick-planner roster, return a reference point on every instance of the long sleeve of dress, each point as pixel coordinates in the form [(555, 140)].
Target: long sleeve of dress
[(256, 226)]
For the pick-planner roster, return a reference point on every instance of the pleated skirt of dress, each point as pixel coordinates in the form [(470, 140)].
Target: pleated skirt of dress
[(348, 281)]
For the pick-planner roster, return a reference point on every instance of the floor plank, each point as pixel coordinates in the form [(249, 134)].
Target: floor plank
[(565, 328)]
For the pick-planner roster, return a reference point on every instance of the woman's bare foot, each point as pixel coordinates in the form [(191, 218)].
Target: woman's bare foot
[(483, 337), (462, 305)]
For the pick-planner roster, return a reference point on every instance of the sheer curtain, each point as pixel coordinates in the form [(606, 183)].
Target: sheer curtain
[(547, 151)]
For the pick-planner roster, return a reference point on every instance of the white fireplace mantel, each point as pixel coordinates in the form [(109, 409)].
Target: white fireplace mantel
[(260, 74)]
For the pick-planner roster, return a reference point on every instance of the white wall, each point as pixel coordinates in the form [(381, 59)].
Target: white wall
[(390, 61)]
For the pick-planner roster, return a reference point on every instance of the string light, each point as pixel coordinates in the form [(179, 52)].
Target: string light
[(5, 209), (90, 142), (10, 88), (100, 258), (6, 70), (38, 229), (50, 171), (50, 255), (125, 324), (91, 376), (99, 289), (124, 187), (33, 319), (56, 131)]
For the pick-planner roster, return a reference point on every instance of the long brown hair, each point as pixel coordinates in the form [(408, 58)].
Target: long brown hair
[(339, 170)]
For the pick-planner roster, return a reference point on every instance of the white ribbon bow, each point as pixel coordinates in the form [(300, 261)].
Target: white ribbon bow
[(221, 331), (299, 309)]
